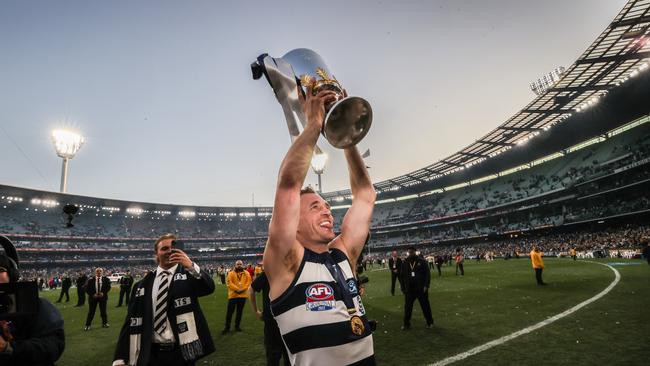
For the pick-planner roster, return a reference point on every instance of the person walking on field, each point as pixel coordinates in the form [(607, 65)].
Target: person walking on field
[(538, 264), (460, 259)]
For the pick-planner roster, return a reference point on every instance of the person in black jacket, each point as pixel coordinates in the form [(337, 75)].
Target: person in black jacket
[(176, 333), (66, 283), (35, 340), (126, 282), (395, 266), (81, 288), (273, 345), (440, 260), (414, 283), (97, 289)]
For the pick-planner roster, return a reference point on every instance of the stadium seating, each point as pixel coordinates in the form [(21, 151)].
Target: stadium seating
[(602, 180)]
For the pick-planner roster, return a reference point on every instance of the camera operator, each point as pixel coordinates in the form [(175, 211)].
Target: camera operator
[(36, 339)]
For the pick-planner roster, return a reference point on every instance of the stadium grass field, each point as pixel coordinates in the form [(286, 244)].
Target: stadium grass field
[(492, 300)]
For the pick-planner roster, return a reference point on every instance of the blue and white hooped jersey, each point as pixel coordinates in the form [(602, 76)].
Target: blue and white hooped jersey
[(316, 326)]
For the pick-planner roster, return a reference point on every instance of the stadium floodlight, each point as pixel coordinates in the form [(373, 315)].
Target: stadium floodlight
[(318, 165), (547, 81), (66, 143)]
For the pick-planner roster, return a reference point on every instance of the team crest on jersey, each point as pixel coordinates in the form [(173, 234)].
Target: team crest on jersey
[(320, 297), (352, 286)]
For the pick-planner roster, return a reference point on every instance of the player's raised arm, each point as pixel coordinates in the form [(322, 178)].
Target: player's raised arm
[(294, 167), (356, 223)]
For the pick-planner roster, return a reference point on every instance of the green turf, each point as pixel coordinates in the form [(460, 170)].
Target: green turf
[(490, 301)]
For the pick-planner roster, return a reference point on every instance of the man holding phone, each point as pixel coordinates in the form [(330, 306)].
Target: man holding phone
[(164, 324)]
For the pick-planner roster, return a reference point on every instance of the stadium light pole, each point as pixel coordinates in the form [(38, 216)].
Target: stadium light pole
[(318, 164), (66, 143)]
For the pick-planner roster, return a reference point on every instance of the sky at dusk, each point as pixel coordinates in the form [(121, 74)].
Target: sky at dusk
[(163, 93)]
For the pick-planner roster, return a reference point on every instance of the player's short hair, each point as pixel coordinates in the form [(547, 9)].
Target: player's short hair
[(306, 190), (163, 237)]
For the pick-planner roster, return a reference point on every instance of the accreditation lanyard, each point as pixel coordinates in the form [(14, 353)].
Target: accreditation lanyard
[(412, 265)]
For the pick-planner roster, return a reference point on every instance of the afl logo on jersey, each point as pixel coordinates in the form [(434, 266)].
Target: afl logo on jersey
[(320, 297)]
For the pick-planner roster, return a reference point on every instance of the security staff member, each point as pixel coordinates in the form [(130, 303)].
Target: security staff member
[(126, 282), (538, 264), (395, 265), (81, 288), (415, 286), (238, 282), (66, 283), (97, 289), (440, 260)]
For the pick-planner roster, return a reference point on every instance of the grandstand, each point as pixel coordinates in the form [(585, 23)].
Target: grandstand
[(605, 179)]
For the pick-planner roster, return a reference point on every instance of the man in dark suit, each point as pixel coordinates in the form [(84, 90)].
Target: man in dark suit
[(97, 289), (164, 325), (414, 283), (126, 282), (66, 283), (81, 288), (395, 266)]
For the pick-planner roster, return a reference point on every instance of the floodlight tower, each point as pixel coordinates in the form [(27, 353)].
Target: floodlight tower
[(318, 164), (66, 143)]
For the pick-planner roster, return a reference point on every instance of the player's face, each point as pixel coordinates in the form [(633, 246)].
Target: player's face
[(316, 222), (163, 251)]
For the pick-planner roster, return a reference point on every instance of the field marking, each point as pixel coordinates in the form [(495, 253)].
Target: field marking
[(502, 340), (380, 269)]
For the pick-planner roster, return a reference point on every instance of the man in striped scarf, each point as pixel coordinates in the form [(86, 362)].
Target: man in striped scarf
[(164, 325)]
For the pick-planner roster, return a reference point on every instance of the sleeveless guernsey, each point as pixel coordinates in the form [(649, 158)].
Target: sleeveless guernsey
[(319, 322)]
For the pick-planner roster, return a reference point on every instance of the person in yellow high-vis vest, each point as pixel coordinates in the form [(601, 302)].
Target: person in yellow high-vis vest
[(238, 282), (538, 264), (573, 253)]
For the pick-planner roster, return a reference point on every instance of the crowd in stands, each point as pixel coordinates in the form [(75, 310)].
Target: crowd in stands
[(94, 224), (605, 242), (602, 180), (608, 242), (590, 164)]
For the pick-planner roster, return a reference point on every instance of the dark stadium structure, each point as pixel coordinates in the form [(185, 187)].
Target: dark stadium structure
[(575, 159)]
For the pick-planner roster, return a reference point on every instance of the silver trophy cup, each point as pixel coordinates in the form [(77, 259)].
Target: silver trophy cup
[(347, 120)]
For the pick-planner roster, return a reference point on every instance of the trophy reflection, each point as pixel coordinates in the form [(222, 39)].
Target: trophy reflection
[(347, 120)]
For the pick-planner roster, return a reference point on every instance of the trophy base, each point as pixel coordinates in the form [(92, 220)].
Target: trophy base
[(347, 122)]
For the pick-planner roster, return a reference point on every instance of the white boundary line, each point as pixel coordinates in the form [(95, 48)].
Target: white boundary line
[(533, 327)]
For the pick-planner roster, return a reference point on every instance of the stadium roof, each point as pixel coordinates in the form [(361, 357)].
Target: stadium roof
[(617, 55)]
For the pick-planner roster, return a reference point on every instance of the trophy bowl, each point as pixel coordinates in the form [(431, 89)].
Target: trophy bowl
[(347, 122)]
